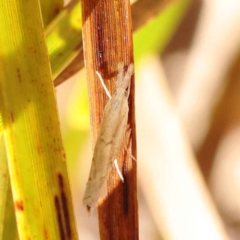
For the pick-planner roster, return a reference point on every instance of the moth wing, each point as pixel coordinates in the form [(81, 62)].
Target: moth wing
[(107, 146)]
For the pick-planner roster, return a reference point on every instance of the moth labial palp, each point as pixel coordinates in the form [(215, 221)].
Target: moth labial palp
[(110, 136)]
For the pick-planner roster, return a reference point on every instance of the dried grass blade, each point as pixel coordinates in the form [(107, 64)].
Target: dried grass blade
[(107, 38)]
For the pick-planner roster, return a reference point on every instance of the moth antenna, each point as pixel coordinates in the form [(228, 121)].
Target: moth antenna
[(104, 86), (118, 170)]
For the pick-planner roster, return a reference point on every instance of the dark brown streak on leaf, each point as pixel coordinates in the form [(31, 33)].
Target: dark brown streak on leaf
[(45, 232), (19, 205), (19, 75), (65, 207), (56, 10), (59, 217), (12, 117)]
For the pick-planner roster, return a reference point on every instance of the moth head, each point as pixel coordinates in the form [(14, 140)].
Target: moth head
[(123, 80)]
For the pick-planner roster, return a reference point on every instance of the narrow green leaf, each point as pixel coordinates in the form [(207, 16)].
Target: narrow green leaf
[(36, 156), (4, 181), (8, 229), (7, 217)]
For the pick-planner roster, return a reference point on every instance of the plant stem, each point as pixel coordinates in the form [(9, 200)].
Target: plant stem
[(107, 41)]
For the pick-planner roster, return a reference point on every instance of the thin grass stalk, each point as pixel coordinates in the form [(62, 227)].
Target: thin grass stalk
[(225, 117)]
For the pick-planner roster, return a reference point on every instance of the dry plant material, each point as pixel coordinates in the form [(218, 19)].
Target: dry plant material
[(109, 141), (226, 117), (107, 41)]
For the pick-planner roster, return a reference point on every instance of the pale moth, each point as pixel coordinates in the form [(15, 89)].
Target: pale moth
[(110, 137)]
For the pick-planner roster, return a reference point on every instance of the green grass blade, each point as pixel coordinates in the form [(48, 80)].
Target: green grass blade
[(10, 227), (164, 26), (64, 37), (50, 9), (36, 156), (4, 181)]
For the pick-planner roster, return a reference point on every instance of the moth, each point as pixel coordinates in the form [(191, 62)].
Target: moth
[(109, 139)]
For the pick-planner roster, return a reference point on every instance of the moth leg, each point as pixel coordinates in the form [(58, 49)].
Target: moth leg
[(118, 170), (128, 152), (127, 136), (104, 86)]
